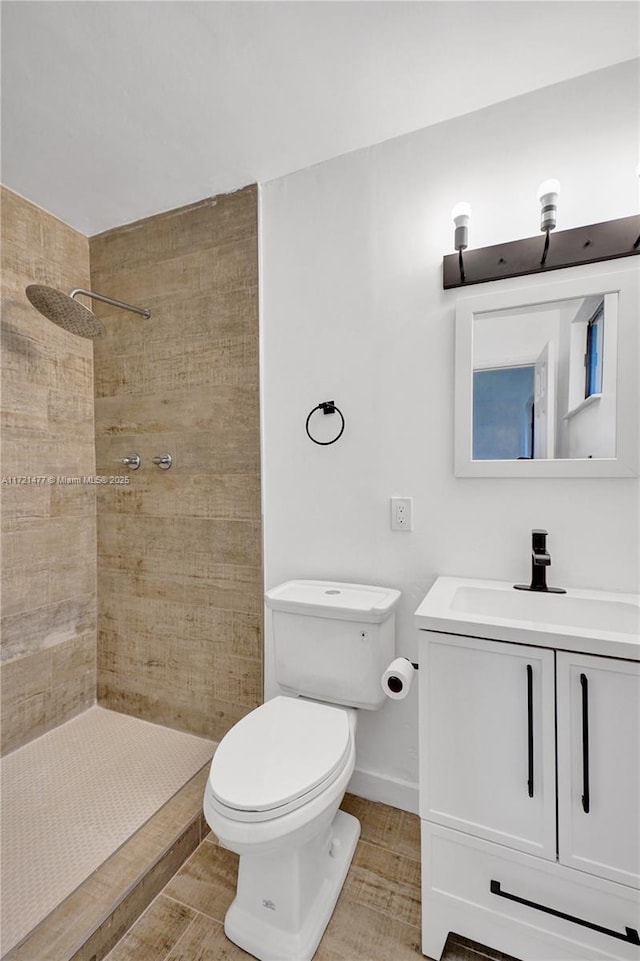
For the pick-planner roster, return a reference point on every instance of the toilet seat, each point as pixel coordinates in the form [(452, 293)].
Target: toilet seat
[(279, 757)]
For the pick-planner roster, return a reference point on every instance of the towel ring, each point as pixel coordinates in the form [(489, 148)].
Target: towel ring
[(327, 407)]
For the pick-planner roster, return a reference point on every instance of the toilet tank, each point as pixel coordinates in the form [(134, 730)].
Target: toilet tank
[(333, 641)]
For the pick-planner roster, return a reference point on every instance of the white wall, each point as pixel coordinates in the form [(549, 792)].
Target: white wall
[(508, 338), (353, 310)]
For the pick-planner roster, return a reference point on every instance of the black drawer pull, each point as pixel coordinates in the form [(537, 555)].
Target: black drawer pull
[(530, 728), (631, 935), (586, 791)]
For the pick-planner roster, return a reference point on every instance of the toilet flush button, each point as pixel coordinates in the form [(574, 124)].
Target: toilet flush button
[(334, 850)]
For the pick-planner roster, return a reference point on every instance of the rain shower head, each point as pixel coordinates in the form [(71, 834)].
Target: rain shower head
[(68, 313)]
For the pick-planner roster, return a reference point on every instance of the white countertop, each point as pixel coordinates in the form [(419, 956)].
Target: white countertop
[(593, 622)]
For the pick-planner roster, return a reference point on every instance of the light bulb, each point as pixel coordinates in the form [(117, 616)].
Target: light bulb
[(460, 215), (547, 194), (548, 188)]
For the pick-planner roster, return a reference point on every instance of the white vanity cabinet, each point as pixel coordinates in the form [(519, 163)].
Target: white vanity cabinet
[(529, 799)]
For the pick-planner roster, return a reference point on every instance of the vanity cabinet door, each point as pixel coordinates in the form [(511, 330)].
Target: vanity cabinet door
[(599, 765), (487, 740)]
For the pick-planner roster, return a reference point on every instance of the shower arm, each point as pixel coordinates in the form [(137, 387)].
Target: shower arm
[(143, 311)]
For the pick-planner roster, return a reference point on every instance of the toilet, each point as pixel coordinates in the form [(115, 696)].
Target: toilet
[(279, 775)]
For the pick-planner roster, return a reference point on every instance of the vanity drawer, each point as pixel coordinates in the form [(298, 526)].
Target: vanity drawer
[(478, 889)]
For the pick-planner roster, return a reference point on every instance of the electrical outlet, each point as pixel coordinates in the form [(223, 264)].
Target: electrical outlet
[(401, 513)]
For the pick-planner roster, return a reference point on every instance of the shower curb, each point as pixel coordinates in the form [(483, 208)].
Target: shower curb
[(87, 925)]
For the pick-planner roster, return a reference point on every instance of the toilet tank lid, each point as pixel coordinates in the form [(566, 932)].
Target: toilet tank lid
[(357, 602)]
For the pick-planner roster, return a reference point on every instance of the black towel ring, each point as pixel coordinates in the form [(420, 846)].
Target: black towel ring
[(327, 407)]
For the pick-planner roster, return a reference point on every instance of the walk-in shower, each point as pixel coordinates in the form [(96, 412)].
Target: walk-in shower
[(70, 314)]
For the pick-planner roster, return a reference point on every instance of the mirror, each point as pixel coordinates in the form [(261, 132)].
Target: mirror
[(546, 379)]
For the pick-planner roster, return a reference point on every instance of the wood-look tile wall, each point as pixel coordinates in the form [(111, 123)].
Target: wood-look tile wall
[(179, 551), (48, 555)]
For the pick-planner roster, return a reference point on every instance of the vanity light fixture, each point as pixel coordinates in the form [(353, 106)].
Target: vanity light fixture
[(609, 240), (461, 215), (547, 195)]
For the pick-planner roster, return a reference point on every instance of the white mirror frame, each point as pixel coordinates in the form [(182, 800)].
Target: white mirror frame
[(625, 281)]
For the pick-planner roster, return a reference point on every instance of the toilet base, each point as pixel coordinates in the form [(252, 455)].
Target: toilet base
[(284, 902)]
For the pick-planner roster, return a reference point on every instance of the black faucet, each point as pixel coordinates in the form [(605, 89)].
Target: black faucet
[(540, 560)]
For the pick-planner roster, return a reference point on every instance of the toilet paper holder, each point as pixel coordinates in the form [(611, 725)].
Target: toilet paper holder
[(395, 681), (395, 684)]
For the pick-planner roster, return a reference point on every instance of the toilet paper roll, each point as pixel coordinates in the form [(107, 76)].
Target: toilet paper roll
[(396, 680)]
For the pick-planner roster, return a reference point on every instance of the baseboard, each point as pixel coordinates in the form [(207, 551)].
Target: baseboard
[(376, 787)]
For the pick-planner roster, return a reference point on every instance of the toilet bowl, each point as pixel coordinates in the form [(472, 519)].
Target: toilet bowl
[(278, 776), (272, 796)]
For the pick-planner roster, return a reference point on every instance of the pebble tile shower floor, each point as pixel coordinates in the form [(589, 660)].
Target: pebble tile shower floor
[(71, 797)]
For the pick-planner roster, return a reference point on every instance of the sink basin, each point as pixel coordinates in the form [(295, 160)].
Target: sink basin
[(596, 622), (570, 611)]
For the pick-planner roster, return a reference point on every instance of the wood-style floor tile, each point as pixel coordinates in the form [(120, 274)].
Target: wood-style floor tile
[(386, 882), (357, 933), (207, 881), (155, 933), (205, 940), (381, 824), (377, 917)]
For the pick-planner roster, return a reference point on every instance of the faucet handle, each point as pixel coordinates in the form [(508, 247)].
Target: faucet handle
[(539, 539), (540, 560)]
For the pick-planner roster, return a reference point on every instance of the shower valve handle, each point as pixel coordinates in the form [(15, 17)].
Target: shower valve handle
[(164, 461), (132, 461)]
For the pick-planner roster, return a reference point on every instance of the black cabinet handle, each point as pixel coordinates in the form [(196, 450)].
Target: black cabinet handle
[(530, 728), (586, 795), (630, 935)]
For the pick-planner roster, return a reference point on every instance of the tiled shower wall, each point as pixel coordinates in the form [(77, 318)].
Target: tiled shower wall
[(180, 577), (179, 551), (48, 527)]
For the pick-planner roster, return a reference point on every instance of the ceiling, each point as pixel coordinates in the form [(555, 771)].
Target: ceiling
[(112, 111)]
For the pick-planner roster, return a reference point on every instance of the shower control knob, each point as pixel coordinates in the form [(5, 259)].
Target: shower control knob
[(164, 461), (132, 461)]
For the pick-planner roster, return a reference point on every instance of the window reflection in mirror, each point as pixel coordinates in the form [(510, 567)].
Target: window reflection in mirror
[(593, 355), (542, 385)]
